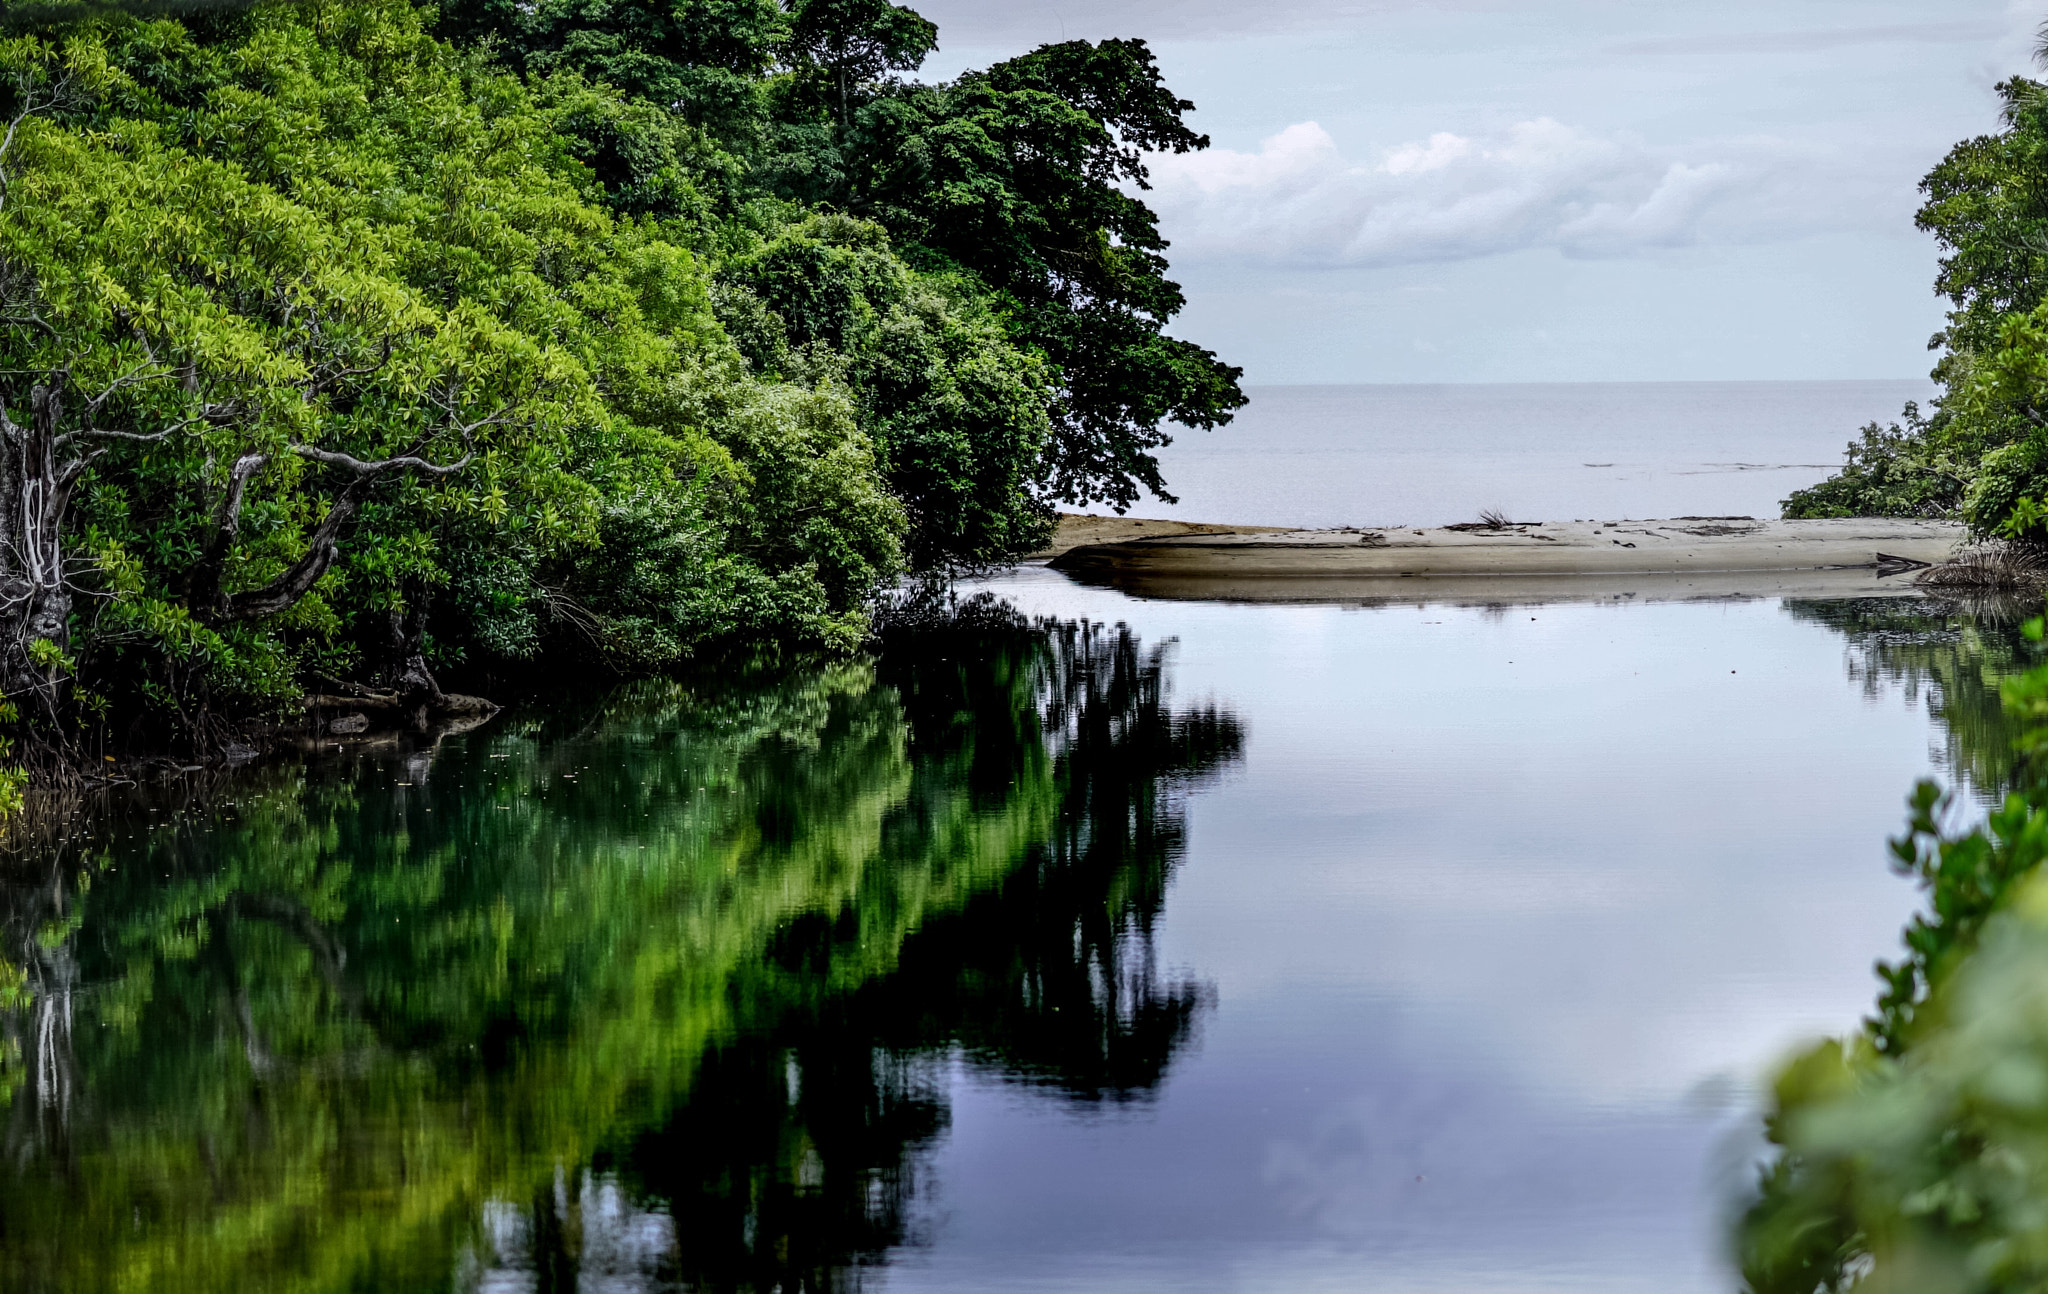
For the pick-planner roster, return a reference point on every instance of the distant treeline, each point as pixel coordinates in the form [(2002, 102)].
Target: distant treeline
[(349, 345)]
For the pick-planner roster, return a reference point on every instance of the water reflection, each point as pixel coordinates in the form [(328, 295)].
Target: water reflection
[(657, 992), (1953, 653), (712, 985)]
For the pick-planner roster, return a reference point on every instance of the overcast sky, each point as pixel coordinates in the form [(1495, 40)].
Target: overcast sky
[(1549, 190)]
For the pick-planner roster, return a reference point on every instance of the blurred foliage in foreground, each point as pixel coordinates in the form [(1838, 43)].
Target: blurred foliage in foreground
[(654, 988)]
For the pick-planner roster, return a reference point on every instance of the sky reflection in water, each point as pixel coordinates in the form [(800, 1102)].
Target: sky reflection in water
[(1259, 948), (1516, 903)]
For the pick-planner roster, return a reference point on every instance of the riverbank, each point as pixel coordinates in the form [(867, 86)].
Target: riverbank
[(1679, 557), (1079, 531)]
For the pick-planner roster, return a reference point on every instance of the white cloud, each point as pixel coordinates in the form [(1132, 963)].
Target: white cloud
[(1027, 22), (1300, 201)]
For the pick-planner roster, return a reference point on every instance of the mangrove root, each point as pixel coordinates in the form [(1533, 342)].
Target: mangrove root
[(1999, 567)]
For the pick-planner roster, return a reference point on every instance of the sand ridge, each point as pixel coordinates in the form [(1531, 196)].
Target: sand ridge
[(1078, 530), (1724, 554)]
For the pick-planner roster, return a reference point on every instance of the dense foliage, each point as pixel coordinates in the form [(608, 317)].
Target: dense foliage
[(1983, 454), (1889, 471), (1011, 183), (364, 342)]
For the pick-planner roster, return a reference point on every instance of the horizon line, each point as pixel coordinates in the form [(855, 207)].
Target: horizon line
[(1654, 381)]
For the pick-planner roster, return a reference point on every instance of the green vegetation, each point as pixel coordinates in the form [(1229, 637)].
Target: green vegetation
[(1914, 1156), (1982, 455), (1894, 471), (1910, 1156), (318, 1031), (369, 342)]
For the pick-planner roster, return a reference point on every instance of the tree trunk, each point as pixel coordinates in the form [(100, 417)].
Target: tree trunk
[(35, 599), (203, 582), (41, 1114), (407, 673)]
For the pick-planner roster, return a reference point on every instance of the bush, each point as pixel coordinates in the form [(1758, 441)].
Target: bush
[(1895, 471)]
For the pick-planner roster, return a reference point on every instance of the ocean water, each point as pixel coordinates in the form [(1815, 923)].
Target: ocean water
[(1428, 455)]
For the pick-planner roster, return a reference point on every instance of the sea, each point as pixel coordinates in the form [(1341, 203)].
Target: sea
[(1377, 455)]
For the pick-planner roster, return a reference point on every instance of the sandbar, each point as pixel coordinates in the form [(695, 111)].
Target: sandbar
[(1078, 530), (1680, 557)]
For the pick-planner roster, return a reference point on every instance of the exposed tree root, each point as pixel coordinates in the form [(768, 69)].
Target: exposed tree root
[(367, 710), (2001, 567)]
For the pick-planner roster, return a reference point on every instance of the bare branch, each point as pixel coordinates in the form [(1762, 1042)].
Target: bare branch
[(68, 474), (108, 433), (203, 585), (299, 579), (407, 459), (33, 103), (501, 418), (133, 377), (29, 109), (33, 321), (401, 462), (295, 583), (448, 401), (213, 413), (319, 385), (14, 127)]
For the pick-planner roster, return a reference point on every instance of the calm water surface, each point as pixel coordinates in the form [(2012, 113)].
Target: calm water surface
[(1426, 455), (1240, 948)]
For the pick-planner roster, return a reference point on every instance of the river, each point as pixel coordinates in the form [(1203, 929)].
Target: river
[(1160, 946)]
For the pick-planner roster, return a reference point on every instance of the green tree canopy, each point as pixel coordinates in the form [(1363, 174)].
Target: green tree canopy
[(322, 326), (1983, 453), (1016, 184), (362, 342), (1017, 176)]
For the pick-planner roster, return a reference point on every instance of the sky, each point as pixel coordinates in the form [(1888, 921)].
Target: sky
[(1549, 190)]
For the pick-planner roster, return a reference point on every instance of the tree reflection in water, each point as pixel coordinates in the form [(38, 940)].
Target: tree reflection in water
[(662, 991), (1953, 653)]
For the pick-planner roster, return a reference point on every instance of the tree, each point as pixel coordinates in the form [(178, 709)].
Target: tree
[(854, 43), (341, 352), (255, 339), (958, 412), (1984, 449), (1895, 471), (1013, 184), (1017, 176), (1987, 207), (700, 61), (360, 349)]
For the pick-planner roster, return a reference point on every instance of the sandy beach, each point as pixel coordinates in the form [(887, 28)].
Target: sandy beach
[(1675, 557), (1079, 531)]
